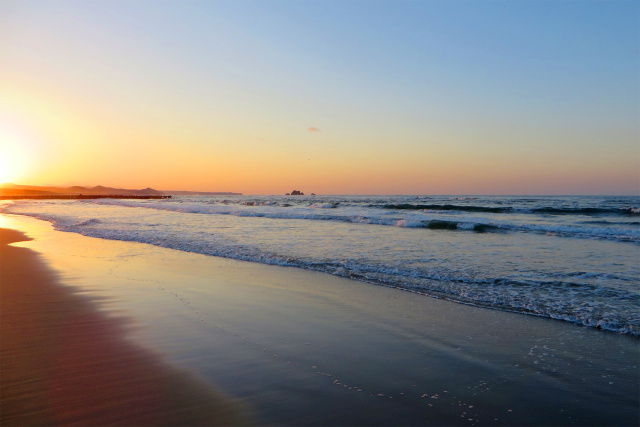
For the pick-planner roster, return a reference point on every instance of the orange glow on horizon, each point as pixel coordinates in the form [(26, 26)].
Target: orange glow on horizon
[(51, 138)]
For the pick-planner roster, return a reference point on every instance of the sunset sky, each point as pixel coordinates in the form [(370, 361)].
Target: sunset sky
[(331, 97)]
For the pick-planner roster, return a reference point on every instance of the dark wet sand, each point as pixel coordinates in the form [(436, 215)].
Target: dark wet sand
[(295, 347), (64, 363)]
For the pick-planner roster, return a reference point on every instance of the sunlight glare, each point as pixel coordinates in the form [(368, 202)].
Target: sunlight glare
[(14, 156)]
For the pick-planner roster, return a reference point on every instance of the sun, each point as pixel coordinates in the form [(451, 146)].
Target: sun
[(14, 157), (8, 172), (12, 165)]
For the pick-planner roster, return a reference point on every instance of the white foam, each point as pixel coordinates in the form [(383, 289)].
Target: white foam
[(335, 212), (457, 265), (92, 221)]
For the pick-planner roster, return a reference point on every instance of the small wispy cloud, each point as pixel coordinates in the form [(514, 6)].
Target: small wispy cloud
[(312, 129)]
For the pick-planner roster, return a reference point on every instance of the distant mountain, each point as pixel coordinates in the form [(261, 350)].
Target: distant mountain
[(98, 190), (25, 190), (201, 193)]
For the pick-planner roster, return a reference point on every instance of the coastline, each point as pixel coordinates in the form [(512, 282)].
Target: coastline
[(65, 363), (80, 197), (305, 348)]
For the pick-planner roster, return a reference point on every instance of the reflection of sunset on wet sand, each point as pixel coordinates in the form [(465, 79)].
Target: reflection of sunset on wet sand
[(64, 363)]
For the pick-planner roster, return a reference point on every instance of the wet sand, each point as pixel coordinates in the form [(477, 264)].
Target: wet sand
[(303, 348), (65, 363)]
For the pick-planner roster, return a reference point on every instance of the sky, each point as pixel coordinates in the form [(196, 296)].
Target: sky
[(331, 97)]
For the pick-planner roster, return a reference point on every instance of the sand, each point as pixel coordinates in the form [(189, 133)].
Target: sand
[(65, 363), (293, 346)]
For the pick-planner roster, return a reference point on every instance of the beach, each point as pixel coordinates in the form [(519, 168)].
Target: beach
[(65, 363), (107, 332)]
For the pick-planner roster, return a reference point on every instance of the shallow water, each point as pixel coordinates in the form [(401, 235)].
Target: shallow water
[(569, 258)]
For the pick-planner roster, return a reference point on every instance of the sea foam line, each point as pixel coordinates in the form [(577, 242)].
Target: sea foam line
[(433, 222), (570, 301)]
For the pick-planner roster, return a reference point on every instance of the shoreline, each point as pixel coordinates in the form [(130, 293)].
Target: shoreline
[(539, 269), (307, 348), (63, 362)]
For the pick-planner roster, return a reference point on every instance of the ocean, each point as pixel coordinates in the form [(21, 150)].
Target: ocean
[(574, 258)]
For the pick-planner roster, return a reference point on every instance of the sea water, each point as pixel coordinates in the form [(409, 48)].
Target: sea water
[(570, 258)]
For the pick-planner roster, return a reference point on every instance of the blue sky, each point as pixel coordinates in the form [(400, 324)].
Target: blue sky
[(434, 96)]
